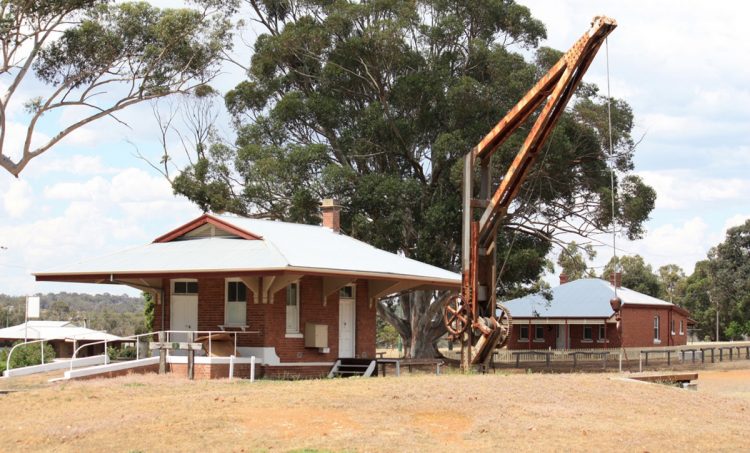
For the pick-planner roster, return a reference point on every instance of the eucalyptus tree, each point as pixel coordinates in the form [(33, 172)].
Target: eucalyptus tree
[(636, 274), (572, 260), (375, 103), (90, 59)]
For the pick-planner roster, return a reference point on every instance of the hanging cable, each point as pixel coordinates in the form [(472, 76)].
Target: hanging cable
[(612, 170)]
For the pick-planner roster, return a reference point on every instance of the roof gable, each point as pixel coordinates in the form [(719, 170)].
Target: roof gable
[(206, 226)]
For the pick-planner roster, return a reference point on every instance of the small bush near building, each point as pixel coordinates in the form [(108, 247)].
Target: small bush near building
[(30, 354), (121, 353)]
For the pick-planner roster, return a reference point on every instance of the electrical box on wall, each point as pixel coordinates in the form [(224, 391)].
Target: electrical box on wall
[(316, 335)]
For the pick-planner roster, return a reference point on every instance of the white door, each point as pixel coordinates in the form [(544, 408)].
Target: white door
[(346, 328), (560, 343), (183, 309)]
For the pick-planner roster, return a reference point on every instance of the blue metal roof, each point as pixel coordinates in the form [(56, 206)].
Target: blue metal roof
[(585, 298)]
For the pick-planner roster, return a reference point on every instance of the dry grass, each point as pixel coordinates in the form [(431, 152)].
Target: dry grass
[(582, 412)]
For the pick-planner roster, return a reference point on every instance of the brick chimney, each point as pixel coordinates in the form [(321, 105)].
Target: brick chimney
[(331, 210), (615, 279), (563, 278)]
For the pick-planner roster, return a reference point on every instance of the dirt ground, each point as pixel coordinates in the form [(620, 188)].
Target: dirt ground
[(519, 412)]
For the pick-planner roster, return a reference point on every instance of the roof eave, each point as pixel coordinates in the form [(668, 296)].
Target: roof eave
[(112, 276)]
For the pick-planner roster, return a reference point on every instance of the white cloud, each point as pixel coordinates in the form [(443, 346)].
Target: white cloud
[(679, 189), (681, 244), (86, 218), (77, 164), (15, 138), (18, 198)]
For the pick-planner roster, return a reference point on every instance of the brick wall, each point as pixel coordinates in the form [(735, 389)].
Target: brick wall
[(292, 372), (638, 326), (575, 337), (366, 329), (211, 371), (270, 319)]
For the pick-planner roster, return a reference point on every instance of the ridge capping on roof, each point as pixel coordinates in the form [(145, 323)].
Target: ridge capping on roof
[(206, 219)]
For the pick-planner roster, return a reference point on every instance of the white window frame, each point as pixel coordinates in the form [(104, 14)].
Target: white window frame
[(184, 280), (682, 330), (657, 331), (227, 322), (672, 327), (521, 338), (590, 339), (538, 339), (292, 333), (354, 291)]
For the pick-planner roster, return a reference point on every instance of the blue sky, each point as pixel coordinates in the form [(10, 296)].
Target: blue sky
[(681, 65)]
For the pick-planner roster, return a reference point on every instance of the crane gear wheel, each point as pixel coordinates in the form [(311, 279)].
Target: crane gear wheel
[(504, 322), (456, 316)]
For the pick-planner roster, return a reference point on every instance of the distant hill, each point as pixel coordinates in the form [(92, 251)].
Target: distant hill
[(117, 314)]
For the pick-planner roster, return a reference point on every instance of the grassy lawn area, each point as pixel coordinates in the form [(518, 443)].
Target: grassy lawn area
[(581, 412)]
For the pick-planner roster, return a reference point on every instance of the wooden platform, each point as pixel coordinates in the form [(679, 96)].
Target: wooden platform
[(667, 378)]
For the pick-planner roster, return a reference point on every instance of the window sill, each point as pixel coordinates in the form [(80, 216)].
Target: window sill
[(294, 335), (539, 340), (587, 341), (657, 341), (602, 341)]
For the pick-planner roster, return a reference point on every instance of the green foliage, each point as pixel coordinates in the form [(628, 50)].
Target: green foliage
[(573, 262), (697, 301), (386, 334), (148, 313), (26, 355), (735, 331), (124, 352), (672, 282), (117, 314), (81, 49), (729, 268), (636, 274)]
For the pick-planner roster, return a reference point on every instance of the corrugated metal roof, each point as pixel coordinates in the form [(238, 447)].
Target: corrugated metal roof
[(283, 246), (587, 297), (54, 330)]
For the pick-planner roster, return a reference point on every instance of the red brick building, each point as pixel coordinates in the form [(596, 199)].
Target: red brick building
[(296, 297), (579, 316)]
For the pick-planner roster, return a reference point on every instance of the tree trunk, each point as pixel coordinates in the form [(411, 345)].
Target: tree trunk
[(421, 324)]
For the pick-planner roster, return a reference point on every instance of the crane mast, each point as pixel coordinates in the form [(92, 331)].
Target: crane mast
[(475, 314)]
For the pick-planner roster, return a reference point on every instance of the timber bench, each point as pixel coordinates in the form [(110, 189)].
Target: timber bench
[(409, 363), (545, 354), (602, 354), (667, 378)]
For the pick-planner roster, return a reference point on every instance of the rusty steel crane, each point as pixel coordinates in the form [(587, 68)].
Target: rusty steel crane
[(475, 317)]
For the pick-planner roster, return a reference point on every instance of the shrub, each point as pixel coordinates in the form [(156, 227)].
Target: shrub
[(121, 353), (27, 355)]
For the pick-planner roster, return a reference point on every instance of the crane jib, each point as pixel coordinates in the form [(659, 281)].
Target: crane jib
[(476, 308)]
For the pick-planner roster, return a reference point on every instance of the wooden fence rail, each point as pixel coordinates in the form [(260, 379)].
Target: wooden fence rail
[(655, 353)]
